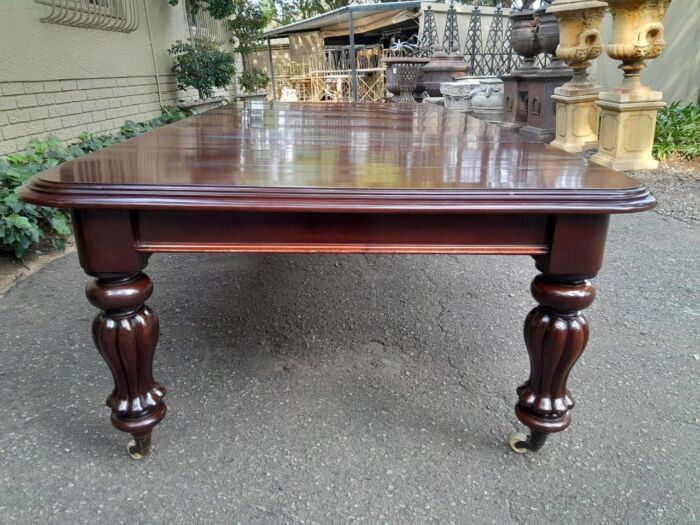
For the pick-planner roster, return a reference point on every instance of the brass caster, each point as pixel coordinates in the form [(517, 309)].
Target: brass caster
[(139, 447), (521, 443), (517, 441)]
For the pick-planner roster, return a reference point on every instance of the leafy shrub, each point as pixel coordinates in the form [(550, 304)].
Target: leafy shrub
[(253, 80), (202, 65), (677, 131), (24, 225)]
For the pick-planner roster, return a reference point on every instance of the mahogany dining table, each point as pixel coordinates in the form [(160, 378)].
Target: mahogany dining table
[(337, 178)]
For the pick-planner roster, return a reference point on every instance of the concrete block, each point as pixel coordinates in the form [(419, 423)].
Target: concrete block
[(53, 124), (57, 111), (7, 147), (33, 87), (93, 94), (98, 116), (25, 101), (73, 108), (68, 85), (45, 99), (90, 105), (17, 116), (85, 118), (52, 86), (39, 113), (78, 96), (14, 131), (62, 98), (12, 88), (7, 103), (69, 121)]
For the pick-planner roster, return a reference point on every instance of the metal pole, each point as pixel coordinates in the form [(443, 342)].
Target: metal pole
[(353, 64), (272, 69)]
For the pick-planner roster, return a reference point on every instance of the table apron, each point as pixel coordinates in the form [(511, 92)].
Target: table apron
[(183, 231)]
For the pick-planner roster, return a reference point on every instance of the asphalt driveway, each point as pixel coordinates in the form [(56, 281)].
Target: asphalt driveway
[(373, 389)]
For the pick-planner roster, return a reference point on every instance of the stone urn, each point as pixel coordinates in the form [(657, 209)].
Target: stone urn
[(524, 38), (487, 99), (579, 35), (579, 43), (407, 77), (548, 37), (638, 35), (457, 94), (628, 112), (392, 76)]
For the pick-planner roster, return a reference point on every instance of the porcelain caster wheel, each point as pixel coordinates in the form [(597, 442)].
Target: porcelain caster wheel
[(521, 443), (139, 447), (516, 441)]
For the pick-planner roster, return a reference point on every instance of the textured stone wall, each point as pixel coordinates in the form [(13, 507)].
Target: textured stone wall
[(59, 80), (65, 108)]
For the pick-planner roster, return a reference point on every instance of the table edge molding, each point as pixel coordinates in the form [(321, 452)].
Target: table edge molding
[(286, 199)]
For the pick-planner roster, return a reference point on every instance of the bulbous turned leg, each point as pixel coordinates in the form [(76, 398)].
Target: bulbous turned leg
[(126, 332), (556, 334)]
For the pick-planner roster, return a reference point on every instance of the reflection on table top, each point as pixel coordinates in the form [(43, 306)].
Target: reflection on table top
[(328, 147)]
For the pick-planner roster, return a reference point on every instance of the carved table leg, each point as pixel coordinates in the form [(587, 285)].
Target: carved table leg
[(126, 333), (555, 334)]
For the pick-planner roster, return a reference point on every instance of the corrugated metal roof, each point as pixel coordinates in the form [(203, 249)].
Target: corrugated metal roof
[(338, 16)]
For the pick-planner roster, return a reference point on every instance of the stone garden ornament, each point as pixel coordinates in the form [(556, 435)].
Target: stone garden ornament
[(579, 43), (628, 112)]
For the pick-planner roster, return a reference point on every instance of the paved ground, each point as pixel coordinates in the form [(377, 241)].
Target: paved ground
[(323, 389)]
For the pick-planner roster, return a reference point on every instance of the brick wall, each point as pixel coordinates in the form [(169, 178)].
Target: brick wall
[(65, 108)]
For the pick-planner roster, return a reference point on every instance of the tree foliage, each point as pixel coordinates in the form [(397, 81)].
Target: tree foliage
[(246, 19), (202, 65)]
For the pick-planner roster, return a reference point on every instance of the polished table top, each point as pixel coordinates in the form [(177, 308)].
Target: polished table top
[(336, 157)]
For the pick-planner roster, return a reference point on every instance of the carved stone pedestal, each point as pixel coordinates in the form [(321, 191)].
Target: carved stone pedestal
[(457, 94), (515, 101), (541, 109), (576, 119), (627, 129)]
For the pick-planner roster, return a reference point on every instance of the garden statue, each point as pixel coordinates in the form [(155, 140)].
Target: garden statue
[(580, 42), (628, 112)]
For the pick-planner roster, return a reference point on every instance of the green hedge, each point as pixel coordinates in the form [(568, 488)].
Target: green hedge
[(23, 226)]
